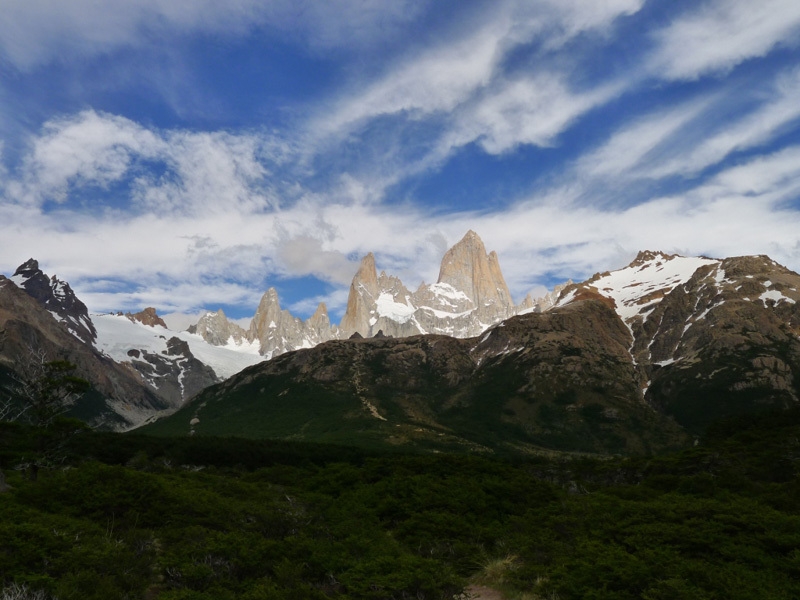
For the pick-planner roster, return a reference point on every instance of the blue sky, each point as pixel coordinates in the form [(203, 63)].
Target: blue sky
[(189, 154)]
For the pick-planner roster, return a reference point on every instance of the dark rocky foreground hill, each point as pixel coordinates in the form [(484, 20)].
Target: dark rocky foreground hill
[(562, 379)]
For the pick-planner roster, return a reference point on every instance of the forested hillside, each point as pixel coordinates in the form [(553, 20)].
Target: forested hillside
[(127, 516)]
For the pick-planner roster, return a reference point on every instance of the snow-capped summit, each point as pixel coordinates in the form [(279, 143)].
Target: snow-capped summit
[(636, 289), (670, 303)]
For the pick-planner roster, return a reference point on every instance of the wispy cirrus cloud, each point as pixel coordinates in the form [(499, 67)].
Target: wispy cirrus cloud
[(37, 32), (720, 34), (449, 75), (686, 139), (778, 110)]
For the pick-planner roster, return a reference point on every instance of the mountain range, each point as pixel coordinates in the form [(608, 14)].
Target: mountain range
[(635, 360), (641, 359), (469, 296)]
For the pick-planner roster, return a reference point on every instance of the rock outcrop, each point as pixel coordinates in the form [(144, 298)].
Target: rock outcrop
[(709, 337), (216, 329), (175, 374), (469, 296), (633, 360), (148, 317), (119, 398), (468, 268), (560, 379)]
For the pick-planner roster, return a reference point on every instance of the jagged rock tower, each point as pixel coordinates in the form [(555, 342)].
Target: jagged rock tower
[(470, 295)]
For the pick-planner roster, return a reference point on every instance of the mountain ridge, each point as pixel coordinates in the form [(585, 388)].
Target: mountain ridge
[(634, 360), (695, 329)]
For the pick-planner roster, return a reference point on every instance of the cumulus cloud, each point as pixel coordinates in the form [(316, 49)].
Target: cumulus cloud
[(195, 171), (88, 148)]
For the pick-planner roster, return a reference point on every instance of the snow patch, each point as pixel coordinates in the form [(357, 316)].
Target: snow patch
[(396, 311), (776, 296), (445, 290)]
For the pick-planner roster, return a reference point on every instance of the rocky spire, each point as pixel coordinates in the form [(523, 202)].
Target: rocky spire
[(364, 292), (277, 331), (468, 268), (319, 323)]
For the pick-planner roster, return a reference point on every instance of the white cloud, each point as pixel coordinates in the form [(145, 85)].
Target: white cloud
[(532, 110), (36, 32), (776, 175), (721, 34), (446, 76), (438, 81), (212, 172), (758, 127), (636, 142), (179, 263), (685, 140), (89, 148), (185, 171), (305, 255)]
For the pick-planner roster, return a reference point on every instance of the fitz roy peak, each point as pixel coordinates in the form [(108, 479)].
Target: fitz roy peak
[(470, 295)]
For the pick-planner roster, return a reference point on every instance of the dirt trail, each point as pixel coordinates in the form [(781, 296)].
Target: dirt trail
[(479, 592)]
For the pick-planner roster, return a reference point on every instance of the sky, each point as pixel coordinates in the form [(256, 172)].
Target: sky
[(190, 154)]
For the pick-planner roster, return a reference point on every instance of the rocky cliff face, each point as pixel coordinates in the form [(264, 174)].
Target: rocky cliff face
[(58, 298), (217, 330), (469, 296), (175, 374), (468, 268), (633, 360), (41, 314), (561, 379), (148, 317)]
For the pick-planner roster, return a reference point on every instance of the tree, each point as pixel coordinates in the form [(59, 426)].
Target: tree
[(40, 392), (44, 389)]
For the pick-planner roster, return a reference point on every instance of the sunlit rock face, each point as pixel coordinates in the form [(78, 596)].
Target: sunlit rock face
[(469, 295)]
